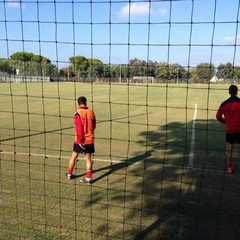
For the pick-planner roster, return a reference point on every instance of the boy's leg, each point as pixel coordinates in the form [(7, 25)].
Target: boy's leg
[(229, 153), (71, 163), (88, 158)]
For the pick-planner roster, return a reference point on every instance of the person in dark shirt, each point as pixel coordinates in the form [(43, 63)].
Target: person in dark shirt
[(229, 114)]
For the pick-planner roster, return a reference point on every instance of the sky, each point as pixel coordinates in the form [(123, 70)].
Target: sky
[(187, 32)]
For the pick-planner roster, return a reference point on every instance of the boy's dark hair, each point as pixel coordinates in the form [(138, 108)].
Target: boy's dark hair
[(82, 100), (233, 89)]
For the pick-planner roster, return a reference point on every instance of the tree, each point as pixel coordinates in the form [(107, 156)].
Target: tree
[(125, 71), (40, 66), (31, 64), (51, 70), (192, 74), (151, 68), (183, 73), (237, 73), (225, 71), (66, 72), (163, 71), (95, 68), (106, 71), (115, 71), (22, 56), (204, 72), (21, 61), (80, 66), (142, 68), (135, 66), (5, 66)]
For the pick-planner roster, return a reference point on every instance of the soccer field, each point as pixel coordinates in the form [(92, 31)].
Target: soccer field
[(159, 166)]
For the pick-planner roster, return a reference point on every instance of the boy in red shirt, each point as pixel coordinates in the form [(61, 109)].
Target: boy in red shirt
[(84, 125), (229, 114)]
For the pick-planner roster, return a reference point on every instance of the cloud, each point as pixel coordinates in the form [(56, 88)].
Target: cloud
[(14, 4), (140, 9), (232, 39), (135, 9)]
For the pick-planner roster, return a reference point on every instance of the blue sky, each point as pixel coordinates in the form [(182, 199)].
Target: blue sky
[(187, 32)]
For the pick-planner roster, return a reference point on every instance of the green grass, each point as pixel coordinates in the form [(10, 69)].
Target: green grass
[(143, 187)]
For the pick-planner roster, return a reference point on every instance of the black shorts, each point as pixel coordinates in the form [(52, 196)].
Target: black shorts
[(87, 148), (233, 138)]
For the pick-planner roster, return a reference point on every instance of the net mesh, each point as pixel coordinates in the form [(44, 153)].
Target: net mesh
[(154, 72)]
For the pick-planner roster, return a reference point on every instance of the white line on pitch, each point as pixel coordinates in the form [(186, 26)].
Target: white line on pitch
[(54, 156), (113, 161), (191, 154)]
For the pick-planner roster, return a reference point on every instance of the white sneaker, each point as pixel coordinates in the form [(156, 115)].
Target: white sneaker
[(69, 176), (84, 180)]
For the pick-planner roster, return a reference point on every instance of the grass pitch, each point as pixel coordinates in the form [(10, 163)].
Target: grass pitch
[(143, 186)]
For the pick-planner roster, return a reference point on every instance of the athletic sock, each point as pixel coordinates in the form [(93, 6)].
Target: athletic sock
[(229, 168), (70, 171), (88, 174)]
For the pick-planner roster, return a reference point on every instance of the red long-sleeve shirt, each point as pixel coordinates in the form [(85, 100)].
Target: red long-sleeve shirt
[(84, 124), (229, 114)]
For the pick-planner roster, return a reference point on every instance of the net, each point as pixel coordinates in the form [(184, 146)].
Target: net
[(155, 73)]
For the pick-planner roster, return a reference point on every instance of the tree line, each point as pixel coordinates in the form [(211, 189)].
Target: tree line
[(80, 67)]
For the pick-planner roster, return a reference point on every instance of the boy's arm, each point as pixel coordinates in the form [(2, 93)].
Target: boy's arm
[(94, 121), (219, 116), (78, 129)]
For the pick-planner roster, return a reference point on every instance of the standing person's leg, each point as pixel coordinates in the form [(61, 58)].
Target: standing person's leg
[(229, 152), (88, 177), (71, 164), (89, 150), (88, 158)]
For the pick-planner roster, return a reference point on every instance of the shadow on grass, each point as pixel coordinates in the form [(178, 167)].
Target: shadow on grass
[(116, 166), (163, 197), (189, 202), (121, 165)]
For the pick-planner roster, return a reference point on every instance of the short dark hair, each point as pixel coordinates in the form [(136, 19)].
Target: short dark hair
[(233, 89), (82, 100)]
